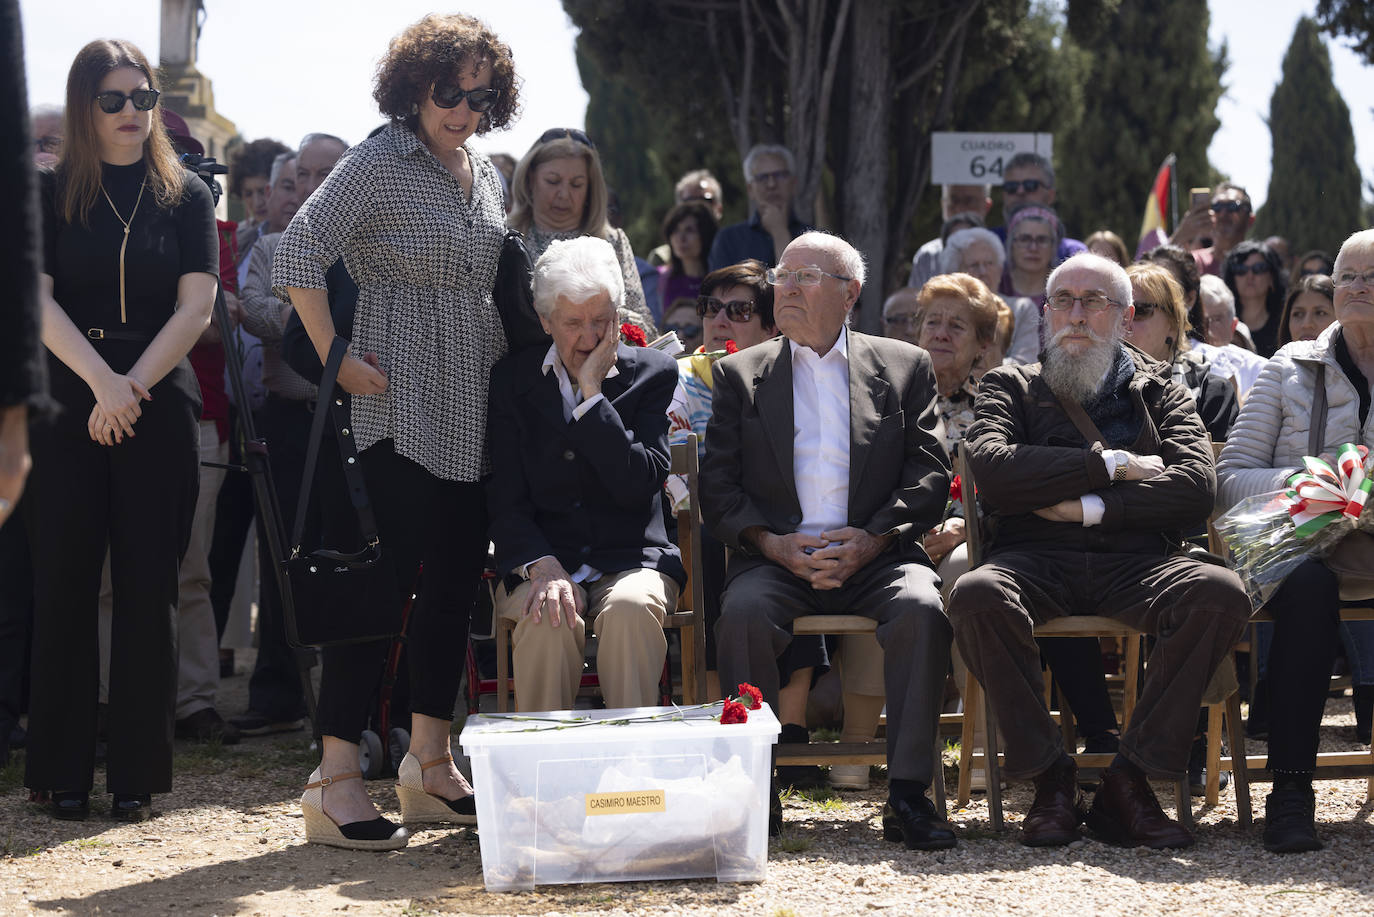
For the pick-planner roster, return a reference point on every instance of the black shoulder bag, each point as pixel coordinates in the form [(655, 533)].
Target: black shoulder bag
[(339, 597)]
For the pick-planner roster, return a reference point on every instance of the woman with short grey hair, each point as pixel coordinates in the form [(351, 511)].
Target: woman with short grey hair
[(979, 253)]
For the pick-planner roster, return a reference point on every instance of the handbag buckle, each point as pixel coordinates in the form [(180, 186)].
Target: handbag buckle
[(95, 334)]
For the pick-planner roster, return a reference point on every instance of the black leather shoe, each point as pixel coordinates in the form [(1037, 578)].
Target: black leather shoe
[(914, 823), (1197, 773), (206, 725), (74, 806), (1290, 820), (1057, 810), (132, 807), (1126, 812)]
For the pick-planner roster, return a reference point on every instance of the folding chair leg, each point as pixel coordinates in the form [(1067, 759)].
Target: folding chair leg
[(1213, 787), (992, 768), (1240, 774), (938, 779), (973, 708)]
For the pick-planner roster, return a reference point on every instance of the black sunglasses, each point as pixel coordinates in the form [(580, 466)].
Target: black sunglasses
[(112, 101), (1031, 185), (1229, 206), (737, 310), (479, 100), (1259, 267), (1144, 310), (569, 133)]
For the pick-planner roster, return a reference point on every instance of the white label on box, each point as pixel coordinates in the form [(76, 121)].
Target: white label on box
[(979, 159), (626, 802)]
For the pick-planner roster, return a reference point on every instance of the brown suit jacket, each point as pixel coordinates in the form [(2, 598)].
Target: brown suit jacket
[(898, 472)]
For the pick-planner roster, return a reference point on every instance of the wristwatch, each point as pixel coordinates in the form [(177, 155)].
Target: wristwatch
[(1123, 460)]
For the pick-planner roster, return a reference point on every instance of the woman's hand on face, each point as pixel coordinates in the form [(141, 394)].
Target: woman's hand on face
[(362, 377), (117, 407)]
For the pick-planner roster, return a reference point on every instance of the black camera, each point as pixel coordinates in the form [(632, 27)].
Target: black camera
[(207, 168)]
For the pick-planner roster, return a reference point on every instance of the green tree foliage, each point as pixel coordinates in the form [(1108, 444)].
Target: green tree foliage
[(1353, 19), (1151, 89), (1314, 188)]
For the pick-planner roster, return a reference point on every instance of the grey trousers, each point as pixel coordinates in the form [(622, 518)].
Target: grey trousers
[(755, 626), (1196, 611)]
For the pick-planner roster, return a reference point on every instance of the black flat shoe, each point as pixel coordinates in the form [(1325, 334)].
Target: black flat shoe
[(132, 807), (916, 824), (75, 806)]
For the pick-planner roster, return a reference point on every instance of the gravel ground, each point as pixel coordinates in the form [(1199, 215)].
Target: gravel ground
[(230, 840)]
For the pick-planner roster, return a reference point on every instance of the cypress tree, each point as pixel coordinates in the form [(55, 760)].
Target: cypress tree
[(1152, 90), (1314, 185)]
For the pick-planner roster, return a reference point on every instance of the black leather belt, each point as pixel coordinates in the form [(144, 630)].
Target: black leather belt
[(101, 334)]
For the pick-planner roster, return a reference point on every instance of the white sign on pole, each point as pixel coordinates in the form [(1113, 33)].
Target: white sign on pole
[(979, 159)]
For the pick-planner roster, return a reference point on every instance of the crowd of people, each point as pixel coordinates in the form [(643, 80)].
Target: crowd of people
[(518, 412)]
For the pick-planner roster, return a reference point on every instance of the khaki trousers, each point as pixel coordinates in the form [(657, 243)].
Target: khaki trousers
[(626, 610)]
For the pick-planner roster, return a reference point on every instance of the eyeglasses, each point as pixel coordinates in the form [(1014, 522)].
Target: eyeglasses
[(1259, 267), (567, 133), (479, 100), (907, 320), (768, 178), (737, 310), (49, 143), (112, 101), (1035, 241), (1229, 206), (1031, 185), (1092, 302), (1350, 278), (1143, 310), (803, 277)]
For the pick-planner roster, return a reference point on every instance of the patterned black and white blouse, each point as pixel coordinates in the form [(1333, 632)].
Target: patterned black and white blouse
[(424, 256)]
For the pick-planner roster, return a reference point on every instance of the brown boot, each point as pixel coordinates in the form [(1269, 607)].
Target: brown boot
[(1126, 812), (1057, 811)]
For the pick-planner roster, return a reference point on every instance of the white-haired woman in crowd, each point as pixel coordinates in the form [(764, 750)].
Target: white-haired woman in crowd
[(1282, 421), (979, 253)]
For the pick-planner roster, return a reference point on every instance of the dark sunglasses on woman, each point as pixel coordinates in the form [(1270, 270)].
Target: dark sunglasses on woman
[(569, 133), (112, 101), (479, 100), (737, 310), (1259, 267)]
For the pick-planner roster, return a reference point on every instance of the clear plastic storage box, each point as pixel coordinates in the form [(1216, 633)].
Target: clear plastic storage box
[(620, 795)]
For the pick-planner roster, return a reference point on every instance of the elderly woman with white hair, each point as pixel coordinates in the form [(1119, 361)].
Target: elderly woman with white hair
[(579, 448), (1311, 398), (979, 253)]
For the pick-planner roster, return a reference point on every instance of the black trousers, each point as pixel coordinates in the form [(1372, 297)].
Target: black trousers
[(274, 689), (16, 619), (1306, 610), (138, 497), (421, 520)]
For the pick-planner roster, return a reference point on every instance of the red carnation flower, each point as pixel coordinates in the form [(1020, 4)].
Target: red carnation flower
[(734, 712), (633, 334), (750, 696), (956, 489), (731, 347)]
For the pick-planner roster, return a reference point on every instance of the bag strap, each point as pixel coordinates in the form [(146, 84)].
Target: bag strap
[(1316, 431), (325, 407), (1082, 421)]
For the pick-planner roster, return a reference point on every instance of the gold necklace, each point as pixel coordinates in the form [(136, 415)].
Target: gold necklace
[(128, 224)]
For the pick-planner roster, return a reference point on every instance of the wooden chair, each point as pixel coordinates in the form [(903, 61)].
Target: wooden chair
[(1079, 626), (687, 618)]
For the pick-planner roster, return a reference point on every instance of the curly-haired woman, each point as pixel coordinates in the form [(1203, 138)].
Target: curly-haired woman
[(418, 217), (250, 172)]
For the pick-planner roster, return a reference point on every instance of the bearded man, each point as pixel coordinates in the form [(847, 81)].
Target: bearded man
[(1089, 465)]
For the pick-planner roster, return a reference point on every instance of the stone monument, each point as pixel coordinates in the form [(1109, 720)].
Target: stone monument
[(185, 90)]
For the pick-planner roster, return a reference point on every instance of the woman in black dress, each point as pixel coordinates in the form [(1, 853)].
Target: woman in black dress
[(130, 261)]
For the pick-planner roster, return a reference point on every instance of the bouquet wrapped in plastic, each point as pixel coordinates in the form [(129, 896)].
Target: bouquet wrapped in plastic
[(1270, 534)]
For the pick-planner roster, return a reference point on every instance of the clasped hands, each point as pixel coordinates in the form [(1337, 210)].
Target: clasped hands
[(827, 561), (1138, 468), (117, 407)]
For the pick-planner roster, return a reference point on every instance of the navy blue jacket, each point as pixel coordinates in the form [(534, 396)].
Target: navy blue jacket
[(589, 491)]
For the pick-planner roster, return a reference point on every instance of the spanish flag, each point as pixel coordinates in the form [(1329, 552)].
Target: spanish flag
[(1154, 228)]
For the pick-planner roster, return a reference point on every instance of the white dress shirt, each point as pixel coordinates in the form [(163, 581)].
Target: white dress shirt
[(573, 410), (820, 437)]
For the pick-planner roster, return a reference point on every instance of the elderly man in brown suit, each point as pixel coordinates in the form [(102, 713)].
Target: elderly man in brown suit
[(822, 472)]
